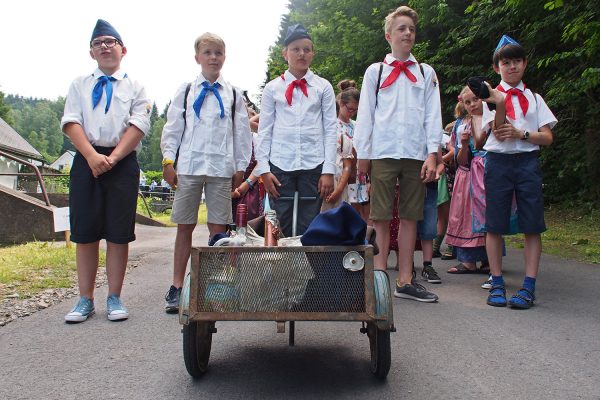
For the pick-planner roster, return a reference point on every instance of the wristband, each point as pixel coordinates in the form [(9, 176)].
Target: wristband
[(167, 161), (250, 183)]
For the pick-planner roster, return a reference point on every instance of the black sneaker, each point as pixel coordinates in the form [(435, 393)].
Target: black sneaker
[(172, 300), (414, 292), (429, 274)]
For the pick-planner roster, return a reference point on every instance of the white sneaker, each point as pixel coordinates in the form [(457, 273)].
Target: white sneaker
[(115, 309), (487, 285)]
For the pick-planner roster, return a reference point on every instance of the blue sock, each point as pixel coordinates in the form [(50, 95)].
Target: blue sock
[(493, 298), (529, 284), (497, 280)]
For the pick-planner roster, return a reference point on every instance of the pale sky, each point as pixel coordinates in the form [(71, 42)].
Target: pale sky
[(45, 43)]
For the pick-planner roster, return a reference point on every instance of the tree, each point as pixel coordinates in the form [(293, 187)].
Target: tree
[(457, 38), (5, 111)]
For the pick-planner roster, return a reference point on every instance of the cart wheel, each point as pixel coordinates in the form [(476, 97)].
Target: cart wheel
[(197, 340), (381, 356)]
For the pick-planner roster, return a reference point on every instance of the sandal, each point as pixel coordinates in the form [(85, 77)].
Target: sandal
[(484, 268), (523, 299), (497, 296), (461, 269)]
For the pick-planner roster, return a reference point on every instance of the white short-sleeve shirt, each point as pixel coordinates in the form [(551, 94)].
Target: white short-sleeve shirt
[(129, 106), (538, 115)]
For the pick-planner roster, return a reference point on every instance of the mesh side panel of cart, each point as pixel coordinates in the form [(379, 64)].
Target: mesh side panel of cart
[(278, 281)]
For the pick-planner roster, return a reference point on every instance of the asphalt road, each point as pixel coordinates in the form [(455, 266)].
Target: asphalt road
[(459, 348)]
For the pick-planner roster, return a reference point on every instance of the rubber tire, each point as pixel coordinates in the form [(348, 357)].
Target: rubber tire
[(197, 341), (381, 354)]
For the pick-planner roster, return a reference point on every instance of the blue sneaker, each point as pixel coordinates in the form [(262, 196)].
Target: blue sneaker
[(115, 309), (82, 310), (172, 300)]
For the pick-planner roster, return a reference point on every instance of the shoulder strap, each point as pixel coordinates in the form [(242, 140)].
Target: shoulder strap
[(233, 105), (187, 91), (184, 114), (378, 82)]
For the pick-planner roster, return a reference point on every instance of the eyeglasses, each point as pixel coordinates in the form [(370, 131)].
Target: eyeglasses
[(109, 43)]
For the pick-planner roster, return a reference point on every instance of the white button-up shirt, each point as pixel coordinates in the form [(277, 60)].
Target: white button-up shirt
[(211, 145), (300, 136), (407, 122), (129, 106), (538, 115)]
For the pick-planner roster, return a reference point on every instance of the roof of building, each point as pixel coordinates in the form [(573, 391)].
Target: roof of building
[(65, 158), (13, 143)]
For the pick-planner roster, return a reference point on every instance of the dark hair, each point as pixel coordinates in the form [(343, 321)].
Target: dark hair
[(509, 52), (348, 93)]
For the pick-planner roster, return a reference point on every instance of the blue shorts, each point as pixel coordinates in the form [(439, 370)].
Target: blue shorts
[(427, 227), (519, 175), (103, 207)]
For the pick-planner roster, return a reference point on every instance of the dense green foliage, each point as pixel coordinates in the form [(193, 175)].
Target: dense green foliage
[(458, 38), (5, 113), (38, 121)]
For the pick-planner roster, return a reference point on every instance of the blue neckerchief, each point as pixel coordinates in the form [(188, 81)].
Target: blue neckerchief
[(103, 81), (206, 87)]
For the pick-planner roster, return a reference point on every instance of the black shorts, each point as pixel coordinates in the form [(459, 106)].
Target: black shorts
[(103, 207)]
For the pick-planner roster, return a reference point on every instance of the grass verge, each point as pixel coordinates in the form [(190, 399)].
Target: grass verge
[(30, 268), (572, 234), (165, 217)]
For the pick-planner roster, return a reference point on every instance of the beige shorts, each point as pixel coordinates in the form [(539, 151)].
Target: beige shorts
[(188, 197), (384, 173)]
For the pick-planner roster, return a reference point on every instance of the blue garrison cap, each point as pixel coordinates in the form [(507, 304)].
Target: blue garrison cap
[(340, 226), (504, 40), (295, 32), (103, 28)]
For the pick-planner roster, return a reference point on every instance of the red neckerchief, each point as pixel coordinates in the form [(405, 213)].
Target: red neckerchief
[(290, 89), (399, 67), (523, 102)]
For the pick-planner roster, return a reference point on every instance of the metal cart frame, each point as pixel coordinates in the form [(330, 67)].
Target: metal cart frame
[(374, 299)]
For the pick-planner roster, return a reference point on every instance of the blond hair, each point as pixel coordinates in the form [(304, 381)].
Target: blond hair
[(398, 12), (208, 38), (460, 111)]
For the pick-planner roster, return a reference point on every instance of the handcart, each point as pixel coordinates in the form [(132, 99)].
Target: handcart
[(284, 284)]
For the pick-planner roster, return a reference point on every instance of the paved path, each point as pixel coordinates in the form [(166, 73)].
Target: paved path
[(457, 349)]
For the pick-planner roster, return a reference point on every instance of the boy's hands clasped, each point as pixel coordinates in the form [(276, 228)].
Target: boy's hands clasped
[(99, 164)]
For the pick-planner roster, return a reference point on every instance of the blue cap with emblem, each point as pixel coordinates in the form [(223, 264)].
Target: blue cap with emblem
[(504, 40), (295, 32), (103, 28)]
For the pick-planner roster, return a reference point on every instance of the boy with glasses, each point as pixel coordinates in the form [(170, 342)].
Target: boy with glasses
[(106, 116)]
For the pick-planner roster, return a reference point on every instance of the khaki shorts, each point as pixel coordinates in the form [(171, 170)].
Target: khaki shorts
[(188, 196), (384, 173)]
